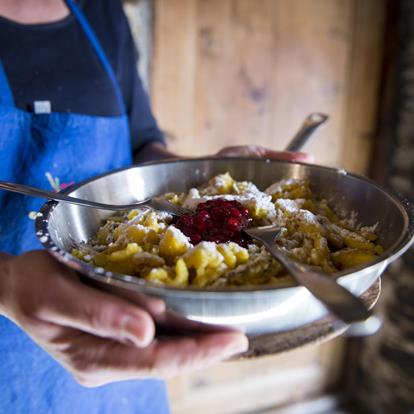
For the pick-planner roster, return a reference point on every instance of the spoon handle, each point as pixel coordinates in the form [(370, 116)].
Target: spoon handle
[(340, 301), (37, 192), (313, 122)]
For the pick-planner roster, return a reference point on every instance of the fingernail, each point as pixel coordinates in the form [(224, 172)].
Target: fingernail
[(304, 156), (238, 346), (127, 341), (157, 306), (134, 332), (311, 158)]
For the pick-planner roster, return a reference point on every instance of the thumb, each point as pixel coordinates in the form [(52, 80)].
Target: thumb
[(101, 314)]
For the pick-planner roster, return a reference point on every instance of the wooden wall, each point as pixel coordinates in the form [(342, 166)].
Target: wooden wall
[(228, 72), (258, 385)]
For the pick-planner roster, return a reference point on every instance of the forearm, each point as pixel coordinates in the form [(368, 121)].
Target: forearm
[(153, 151)]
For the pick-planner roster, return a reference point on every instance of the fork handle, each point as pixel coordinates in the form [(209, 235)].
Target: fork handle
[(49, 195), (340, 301)]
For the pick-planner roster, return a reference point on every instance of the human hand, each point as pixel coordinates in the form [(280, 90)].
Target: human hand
[(98, 337), (262, 152)]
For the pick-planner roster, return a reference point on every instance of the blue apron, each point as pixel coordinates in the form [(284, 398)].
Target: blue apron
[(72, 147)]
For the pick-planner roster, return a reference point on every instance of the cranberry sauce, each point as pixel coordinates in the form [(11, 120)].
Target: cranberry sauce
[(217, 221)]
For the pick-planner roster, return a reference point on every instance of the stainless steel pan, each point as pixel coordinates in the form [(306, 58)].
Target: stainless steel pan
[(60, 226)]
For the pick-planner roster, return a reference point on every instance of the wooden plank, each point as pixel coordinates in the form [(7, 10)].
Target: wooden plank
[(228, 72), (310, 69), (364, 78), (256, 383), (174, 68), (252, 385), (139, 14), (236, 72)]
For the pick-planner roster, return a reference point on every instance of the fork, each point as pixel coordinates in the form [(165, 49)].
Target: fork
[(340, 301), (154, 203)]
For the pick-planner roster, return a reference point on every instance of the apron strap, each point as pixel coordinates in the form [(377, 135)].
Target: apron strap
[(98, 49), (6, 95)]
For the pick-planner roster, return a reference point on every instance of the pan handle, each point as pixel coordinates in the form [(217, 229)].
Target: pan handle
[(312, 123)]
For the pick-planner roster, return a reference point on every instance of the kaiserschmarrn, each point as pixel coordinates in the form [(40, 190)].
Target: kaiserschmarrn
[(209, 249)]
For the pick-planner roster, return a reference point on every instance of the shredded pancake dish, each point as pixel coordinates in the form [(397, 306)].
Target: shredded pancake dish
[(208, 248)]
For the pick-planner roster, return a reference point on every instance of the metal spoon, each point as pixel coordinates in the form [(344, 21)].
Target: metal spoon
[(340, 301)]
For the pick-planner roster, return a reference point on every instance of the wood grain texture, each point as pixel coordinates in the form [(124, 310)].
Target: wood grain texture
[(363, 84), (314, 333), (277, 369), (229, 72), (173, 73), (250, 385), (139, 14)]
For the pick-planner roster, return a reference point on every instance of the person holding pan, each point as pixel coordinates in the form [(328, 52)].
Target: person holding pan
[(72, 106)]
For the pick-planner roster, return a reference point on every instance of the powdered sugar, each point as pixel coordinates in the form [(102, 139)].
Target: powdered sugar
[(179, 235), (278, 186), (312, 234), (288, 205), (251, 198), (295, 212), (306, 216)]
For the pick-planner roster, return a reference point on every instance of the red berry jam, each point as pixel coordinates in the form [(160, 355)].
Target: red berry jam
[(217, 221)]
